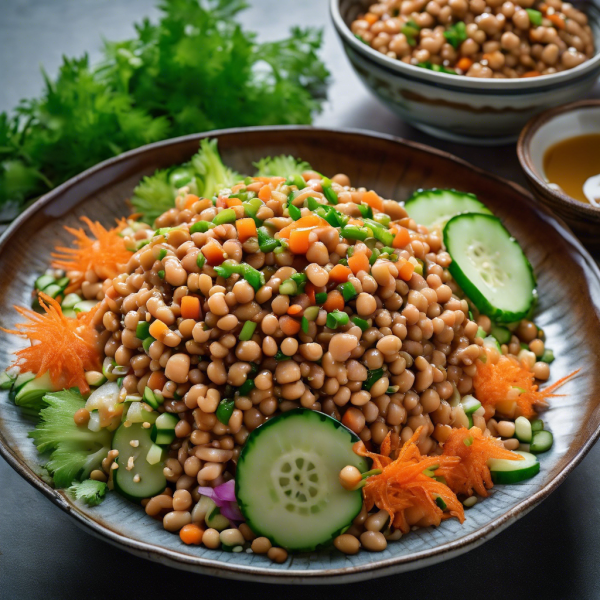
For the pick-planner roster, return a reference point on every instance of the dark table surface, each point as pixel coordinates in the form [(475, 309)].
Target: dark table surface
[(552, 553)]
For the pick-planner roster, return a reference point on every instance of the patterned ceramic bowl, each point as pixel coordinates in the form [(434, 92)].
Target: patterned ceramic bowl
[(461, 109)]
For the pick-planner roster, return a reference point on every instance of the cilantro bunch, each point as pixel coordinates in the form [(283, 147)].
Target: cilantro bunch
[(194, 70)]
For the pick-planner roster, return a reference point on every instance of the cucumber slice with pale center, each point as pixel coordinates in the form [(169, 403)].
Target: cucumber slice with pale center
[(136, 478), (287, 480), (490, 267), (434, 208), (513, 471)]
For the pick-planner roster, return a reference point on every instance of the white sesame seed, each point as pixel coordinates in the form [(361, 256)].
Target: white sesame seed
[(129, 463), (134, 443), (114, 466), (146, 425), (127, 424), (137, 478)]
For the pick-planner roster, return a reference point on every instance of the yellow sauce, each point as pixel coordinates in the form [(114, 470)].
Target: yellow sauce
[(570, 163)]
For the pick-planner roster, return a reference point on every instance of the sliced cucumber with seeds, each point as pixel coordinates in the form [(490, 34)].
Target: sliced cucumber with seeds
[(84, 306), (287, 481), (502, 334), (33, 391), (434, 208), (513, 471), (490, 267), (541, 441), (136, 479)]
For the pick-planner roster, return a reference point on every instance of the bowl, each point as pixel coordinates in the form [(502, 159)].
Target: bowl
[(395, 168), (461, 109), (540, 133)]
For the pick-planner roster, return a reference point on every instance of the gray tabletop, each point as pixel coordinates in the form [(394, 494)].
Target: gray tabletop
[(553, 552)]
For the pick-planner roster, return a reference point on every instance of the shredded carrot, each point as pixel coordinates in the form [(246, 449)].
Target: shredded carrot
[(464, 64), (359, 262), (246, 229), (494, 381), (334, 300), (373, 200), (472, 473), (339, 274), (190, 307), (404, 490), (64, 348), (106, 255), (300, 240)]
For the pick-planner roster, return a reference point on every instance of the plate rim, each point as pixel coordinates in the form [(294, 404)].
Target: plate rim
[(388, 566)]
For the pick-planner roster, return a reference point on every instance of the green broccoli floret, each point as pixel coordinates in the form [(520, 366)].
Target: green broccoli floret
[(75, 451), (213, 174), (281, 166), (90, 491)]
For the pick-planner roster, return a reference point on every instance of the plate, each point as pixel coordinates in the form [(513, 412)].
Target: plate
[(569, 313)]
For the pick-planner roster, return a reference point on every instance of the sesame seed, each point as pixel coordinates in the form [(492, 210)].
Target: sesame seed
[(127, 424), (134, 443), (137, 478), (114, 466), (129, 463), (146, 425), (146, 407)]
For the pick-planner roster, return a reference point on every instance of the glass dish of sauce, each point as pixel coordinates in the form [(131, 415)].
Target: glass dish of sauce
[(573, 166)]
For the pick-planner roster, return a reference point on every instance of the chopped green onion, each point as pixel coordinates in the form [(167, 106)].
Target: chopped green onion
[(321, 297), (281, 356), (255, 278), (305, 325), (548, 356), (311, 313), (372, 377), (352, 232), (248, 180), (142, 331), (244, 196), (382, 218), (312, 203), (440, 502), (365, 210), (288, 288), (364, 325), (337, 318), (147, 343), (328, 191), (480, 333), (162, 253), (227, 215), (385, 236), (373, 223), (299, 278), (348, 291), (163, 230), (200, 260), (247, 331), (161, 274), (246, 387), (200, 227), (266, 242), (296, 180), (225, 410), (535, 16), (350, 251), (294, 212), (456, 34), (374, 256), (343, 261)]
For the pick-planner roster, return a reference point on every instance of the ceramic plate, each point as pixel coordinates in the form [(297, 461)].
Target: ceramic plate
[(569, 311)]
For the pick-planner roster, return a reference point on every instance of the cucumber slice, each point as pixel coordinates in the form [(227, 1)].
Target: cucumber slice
[(22, 379), (95, 378), (537, 425), (523, 431), (287, 481), (151, 477), (541, 441), (7, 380), (42, 282), (155, 454), (70, 300), (491, 342), (150, 398), (138, 414), (434, 208), (216, 520), (470, 404), (166, 422), (513, 471), (33, 391), (502, 334), (490, 267), (84, 306)]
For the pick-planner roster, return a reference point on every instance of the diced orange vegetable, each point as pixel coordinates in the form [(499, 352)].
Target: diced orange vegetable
[(213, 253), (288, 325), (339, 274), (356, 222), (303, 223), (299, 240), (371, 18), (158, 330), (310, 291), (531, 74), (265, 193), (273, 180), (190, 307), (406, 270), (157, 381), (402, 238), (246, 229), (358, 262), (294, 309), (373, 200), (557, 20), (334, 300), (464, 64), (191, 534), (233, 202), (190, 200)]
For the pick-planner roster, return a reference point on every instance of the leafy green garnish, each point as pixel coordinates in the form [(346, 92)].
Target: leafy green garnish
[(281, 166), (92, 492), (195, 69), (436, 68), (535, 16), (456, 34)]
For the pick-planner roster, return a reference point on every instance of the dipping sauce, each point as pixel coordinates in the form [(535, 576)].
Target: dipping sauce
[(574, 166)]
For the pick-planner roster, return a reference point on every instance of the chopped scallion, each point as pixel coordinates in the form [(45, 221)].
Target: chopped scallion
[(227, 215), (364, 325), (294, 212), (337, 318), (348, 291), (247, 331), (321, 297)]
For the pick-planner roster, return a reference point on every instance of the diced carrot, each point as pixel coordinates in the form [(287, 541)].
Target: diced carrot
[(213, 253), (265, 193), (310, 291), (406, 270), (557, 20), (464, 64), (334, 300), (531, 74), (273, 180), (190, 307), (190, 200), (191, 534), (246, 229), (294, 309), (158, 330), (373, 200), (339, 274), (288, 325), (157, 381), (302, 223), (402, 238), (371, 18), (299, 240), (358, 262), (233, 202)]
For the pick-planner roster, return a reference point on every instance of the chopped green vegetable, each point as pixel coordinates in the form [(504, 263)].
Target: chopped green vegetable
[(227, 215), (201, 227), (294, 212), (456, 34), (288, 288), (364, 325), (161, 274), (266, 242), (313, 204), (305, 325), (200, 260), (147, 343), (255, 278), (281, 166), (436, 68), (535, 16), (337, 318), (352, 232), (142, 331), (90, 491), (162, 253), (348, 291), (365, 210), (225, 410), (281, 356), (372, 377), (246, 387), (247, 331), (548, 356), (328, 191), (321, 297)]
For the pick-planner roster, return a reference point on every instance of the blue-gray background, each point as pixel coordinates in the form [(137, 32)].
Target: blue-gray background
[(552, 553)]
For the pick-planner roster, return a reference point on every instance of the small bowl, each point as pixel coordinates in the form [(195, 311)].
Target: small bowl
[(545, 130), (457, 108)]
